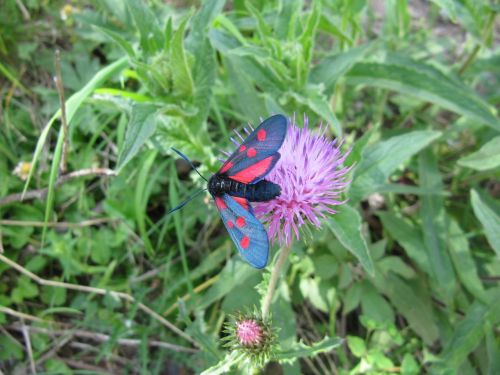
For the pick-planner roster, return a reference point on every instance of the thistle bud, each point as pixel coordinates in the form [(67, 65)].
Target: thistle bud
[(252, 337)]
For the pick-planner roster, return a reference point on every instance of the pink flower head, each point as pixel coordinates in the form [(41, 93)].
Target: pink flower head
[(249, 332), (311, 175), (251, 336)]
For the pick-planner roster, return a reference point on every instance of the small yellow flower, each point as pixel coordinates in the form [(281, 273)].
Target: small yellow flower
[(66, 11), (22, 170)]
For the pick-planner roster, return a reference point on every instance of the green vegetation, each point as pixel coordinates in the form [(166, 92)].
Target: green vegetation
[(96, 278)]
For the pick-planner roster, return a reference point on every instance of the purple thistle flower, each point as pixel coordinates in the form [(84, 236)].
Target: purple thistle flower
[(311, 175)]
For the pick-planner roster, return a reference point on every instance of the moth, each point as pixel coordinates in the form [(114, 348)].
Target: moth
[(240, 181)]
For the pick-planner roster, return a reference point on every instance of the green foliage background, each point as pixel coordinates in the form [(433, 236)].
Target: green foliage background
[(406, 273)]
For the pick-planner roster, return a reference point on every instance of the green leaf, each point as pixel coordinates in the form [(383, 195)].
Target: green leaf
[(352, 298), (409, 189), (426, 83), (493, 349), (462, 259), (141, 126), (356, 346), (301, 350), (346, 225), (449, 6), (413, 303), (246, 98), (408, 236), (10, 349), (488, 218), (309, 33), (331, 68), (487, 157), (284, 22), (409, 366), (204, 75), (56, 366), (469, 333), (201, 20), (319, 104), (375, 306), (53, 296), (147, 24), (118, 39), (181, 72), (434, 227), (381, 159)]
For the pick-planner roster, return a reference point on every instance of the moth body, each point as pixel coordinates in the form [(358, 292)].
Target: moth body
[(261, 191)]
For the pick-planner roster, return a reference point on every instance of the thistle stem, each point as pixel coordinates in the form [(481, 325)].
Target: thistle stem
[(274, 279)]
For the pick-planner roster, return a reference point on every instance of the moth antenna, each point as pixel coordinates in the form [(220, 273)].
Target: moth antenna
[(190, 198), (239, 135), (189, 161), (236, 143)]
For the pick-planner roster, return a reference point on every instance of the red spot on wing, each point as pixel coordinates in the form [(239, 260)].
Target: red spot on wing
[(221, 205), (254, 171), (240, 222), (261, 135), (251, 152), (245, 242), (226, 167), (243, 148), (230, 224), (242, 201)]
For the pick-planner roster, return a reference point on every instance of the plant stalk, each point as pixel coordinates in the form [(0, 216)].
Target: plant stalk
[(274, 279)]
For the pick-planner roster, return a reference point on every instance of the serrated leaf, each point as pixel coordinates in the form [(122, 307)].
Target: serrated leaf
[(489, 219), (141, 126), (487, 157), (381, 159), (426, 83), (346, 225), (300, 350), (223, 366)]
